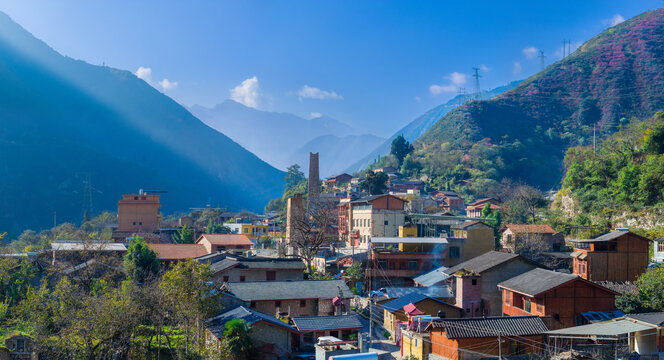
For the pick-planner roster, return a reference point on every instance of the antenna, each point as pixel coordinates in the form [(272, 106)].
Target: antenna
[(476, 90), (541, 56)]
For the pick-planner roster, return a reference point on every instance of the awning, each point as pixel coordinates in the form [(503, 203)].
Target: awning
[(583, 256), (337, 301), (412, 310), (576, 253), (606, 330)]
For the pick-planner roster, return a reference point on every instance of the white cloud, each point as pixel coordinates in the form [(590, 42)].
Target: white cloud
[(144, 73), (315, 115), (168, 85), (530, 52), (516, 68), (308, 92), (418, 99), (456, 80), (484, 68), (247, 92), (614, 20)]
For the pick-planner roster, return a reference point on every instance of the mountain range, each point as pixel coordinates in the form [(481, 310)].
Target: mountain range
[(612, 79), (414, 129), (75, 136), (283, 139)]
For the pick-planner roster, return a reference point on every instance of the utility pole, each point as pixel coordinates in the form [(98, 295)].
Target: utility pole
[(55, 218), (500, 347), (541, 57), (564, 48), (477, 76)]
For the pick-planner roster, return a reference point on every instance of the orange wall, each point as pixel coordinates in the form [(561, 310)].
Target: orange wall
[(453, 349), (138, 213)]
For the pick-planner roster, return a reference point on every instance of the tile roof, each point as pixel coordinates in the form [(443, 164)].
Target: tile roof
[(82, 246), (490, 326), (468, 224), (537, 281), (270, 263), (216, 325), (481, 201), (432, 277), (226, 239), (530, 228), (611, 235), (178, 251), (432, 291), (653, 318), (321, 323), (223, 265), (285, 290), (609, 329), (483, 262)]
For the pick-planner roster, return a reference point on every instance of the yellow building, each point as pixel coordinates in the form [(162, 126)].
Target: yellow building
[(407, 231), (252, 231), (415, 344)]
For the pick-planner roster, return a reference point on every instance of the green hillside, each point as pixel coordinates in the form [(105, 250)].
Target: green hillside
[(524, 133)]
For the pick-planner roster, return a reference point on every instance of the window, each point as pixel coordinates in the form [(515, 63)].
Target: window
[(382, 264), (270, 275), (526, 305), (412, 264), (144, 198), (660, 246), (252, 304), (20, 345), (241, 277), (303, 303), (135, 197), (246, 230), (509, 238), (474, 282), (225, 278), (442, 314), (415, 342), (540, 308), (140, 223), (391, 265), (467, 310), (402, 265), (385, 223), (454, 252), (277, 303), (508, 297)]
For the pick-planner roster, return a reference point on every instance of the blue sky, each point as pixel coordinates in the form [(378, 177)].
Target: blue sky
[(373, 64)]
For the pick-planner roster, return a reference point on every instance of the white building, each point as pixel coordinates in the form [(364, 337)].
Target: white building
[(658, 253)]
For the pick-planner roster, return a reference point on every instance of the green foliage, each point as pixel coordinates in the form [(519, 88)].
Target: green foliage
[(650, 297), (410, 166), (400, 148), (375, 183), (240, 345), (140, 262), (214, 228), (294, 177), (15, 277), (355, 271), (185, 235), (626, 173)]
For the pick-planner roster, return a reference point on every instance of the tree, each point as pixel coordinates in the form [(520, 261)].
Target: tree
[(355, 271), (294, 177), (312, 229), (140, 262), (400, 148), (184, 236), (214, 228), (239, 342), (187, 294), (375, 183), (650, 295), (410, 166)]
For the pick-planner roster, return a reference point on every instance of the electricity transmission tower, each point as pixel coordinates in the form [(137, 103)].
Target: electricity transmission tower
[(476, 75), (461, 93)]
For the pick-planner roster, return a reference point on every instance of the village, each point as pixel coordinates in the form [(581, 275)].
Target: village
[(352, 274)]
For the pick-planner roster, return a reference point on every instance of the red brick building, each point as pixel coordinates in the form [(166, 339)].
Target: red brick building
[(618, 255), (559, 297)]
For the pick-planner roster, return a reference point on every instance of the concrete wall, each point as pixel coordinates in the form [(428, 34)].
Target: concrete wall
[(491, 295), (138, 212), (262, 333), (312, 307)]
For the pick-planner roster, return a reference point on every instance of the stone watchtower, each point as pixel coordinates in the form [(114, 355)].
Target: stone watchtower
[(314, 179)]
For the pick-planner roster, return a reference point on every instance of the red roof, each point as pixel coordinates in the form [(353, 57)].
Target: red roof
[(412, 310), (178, 251), (226, 239), (530, 228)]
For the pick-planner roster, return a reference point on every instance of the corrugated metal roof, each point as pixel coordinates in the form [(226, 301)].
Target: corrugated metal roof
[(81, 246), (399, 303), (609, 329), (432, 277), (491, 326), (654, 318), (320, 323), (409, 240), (599, 316)]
